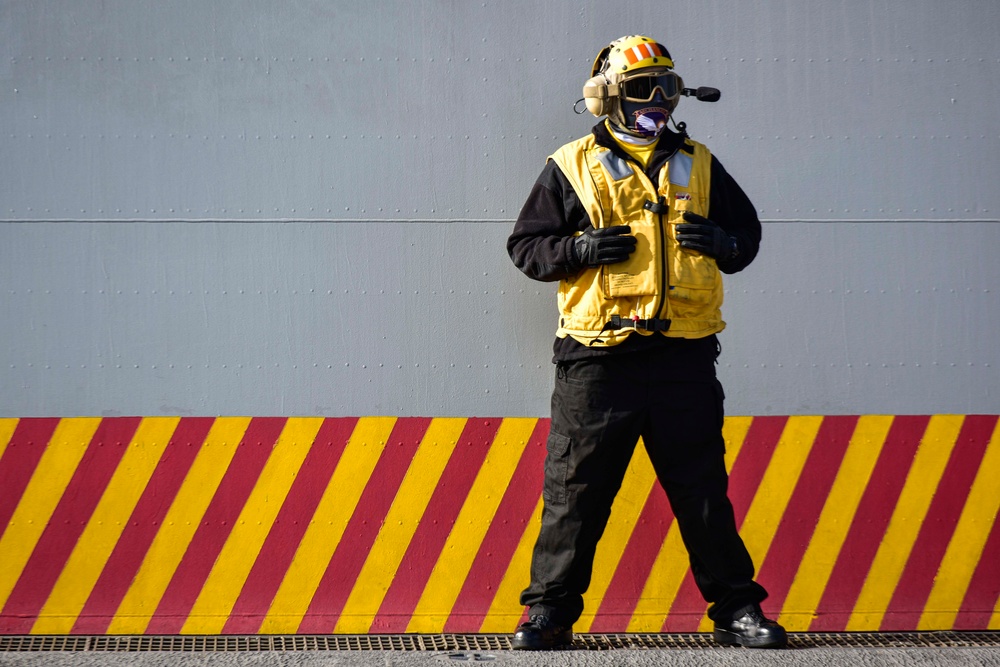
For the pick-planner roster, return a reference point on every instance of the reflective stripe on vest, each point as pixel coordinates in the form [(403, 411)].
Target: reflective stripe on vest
[(680, 169), (618, 168)]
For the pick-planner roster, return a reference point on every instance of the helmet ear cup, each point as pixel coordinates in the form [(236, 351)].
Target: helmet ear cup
[(595, 94)]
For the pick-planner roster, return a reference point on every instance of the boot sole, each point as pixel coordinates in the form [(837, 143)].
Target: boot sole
[(727, 638), (558, 643)]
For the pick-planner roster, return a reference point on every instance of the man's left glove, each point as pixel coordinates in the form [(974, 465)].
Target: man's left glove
[(706, 237)]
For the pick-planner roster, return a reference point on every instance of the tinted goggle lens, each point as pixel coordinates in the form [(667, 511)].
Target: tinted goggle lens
[(642, 88)]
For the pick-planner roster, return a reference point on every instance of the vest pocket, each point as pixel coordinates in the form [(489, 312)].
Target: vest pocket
[(690, 303), (691, 269), (694, 285), (636, 276)]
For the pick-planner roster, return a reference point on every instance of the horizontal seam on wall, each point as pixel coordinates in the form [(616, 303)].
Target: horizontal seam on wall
[(505, 221)]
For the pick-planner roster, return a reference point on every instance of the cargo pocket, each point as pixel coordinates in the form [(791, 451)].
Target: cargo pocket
[(556, 468), (720, 402)]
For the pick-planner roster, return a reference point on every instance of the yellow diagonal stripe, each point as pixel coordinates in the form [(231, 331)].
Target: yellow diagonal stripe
[(907, 518), (7, 428), (834, 521), (109, 519), (448, 575), (505, 609), (44, 491), (334, 511), (734, 432), (628, 504), (179, 526), (660, 590), (232, 567), (967, 543), (672, 563), (400, 524), (775, 489)]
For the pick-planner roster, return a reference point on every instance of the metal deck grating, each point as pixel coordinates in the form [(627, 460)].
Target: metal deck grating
[(445, 643)]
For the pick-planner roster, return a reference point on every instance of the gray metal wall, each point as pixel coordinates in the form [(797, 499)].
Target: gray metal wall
[(300, 208)]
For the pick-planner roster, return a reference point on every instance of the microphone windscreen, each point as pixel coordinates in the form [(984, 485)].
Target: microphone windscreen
[(706, 94)]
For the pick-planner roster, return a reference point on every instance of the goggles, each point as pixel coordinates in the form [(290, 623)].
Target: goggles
[(642, 87)]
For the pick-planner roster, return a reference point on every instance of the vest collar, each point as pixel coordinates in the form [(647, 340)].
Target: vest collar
[(668, 144)]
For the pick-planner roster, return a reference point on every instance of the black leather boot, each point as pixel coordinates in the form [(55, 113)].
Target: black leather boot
[(750, 628), (540, 633)]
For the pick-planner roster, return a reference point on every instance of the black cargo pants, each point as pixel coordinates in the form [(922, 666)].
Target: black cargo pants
[(600, 407)]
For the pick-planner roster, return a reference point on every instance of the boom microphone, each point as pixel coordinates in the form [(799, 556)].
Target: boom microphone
[(703, 94)]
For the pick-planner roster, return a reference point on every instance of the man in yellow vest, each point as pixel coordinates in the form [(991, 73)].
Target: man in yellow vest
[(637, 223)]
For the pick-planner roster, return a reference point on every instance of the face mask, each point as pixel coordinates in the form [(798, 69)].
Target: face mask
[(645, 120)]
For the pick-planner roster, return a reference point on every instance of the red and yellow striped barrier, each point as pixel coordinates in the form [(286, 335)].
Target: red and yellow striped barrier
[(388, 525)]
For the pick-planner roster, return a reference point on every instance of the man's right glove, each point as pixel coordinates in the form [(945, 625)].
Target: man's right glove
[(607, 245)]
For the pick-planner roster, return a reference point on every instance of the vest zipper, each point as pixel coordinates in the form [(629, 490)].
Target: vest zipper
[(665, 273), (658, 208)]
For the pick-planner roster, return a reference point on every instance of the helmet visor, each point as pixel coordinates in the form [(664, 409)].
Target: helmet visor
[(642, 87)]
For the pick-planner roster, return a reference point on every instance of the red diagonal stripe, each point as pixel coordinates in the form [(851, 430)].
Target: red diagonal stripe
[(748, 469), (795, 530), (27, 444), (502, 537), (359, 535), (636, 563), (143, 525), (870, 522), (289, 526), (984, 587), (237, 484), (67, 523), (418, 562), (914, 587)]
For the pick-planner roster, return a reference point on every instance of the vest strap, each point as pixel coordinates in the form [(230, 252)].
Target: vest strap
[(652, 324), (618, 322), (658, 207)]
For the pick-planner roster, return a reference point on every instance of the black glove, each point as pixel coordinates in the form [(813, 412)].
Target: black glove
[(706, 237), (607, 245)]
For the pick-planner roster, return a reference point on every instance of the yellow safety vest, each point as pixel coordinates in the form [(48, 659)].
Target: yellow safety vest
[(660, 280)]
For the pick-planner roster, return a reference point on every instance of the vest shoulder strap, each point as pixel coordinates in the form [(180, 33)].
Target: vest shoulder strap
[(572, 161)]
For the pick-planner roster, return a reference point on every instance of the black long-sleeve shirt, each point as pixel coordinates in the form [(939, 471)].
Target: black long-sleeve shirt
[(541, 244)]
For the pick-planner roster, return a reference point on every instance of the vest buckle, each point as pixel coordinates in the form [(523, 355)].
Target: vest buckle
[(653, 324), (658, 207)]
